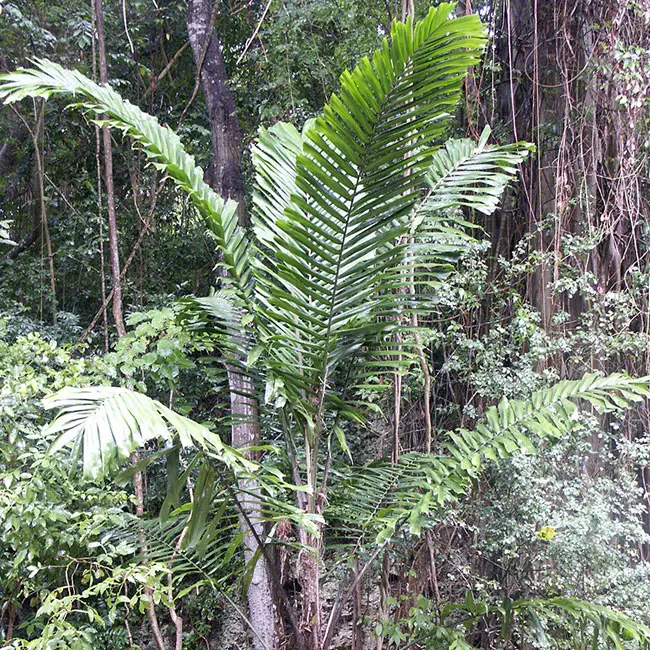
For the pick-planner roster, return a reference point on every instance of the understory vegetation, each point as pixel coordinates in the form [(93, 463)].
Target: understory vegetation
[(324, 325)]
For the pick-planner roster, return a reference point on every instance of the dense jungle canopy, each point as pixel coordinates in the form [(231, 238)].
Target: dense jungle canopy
[(324, 324)]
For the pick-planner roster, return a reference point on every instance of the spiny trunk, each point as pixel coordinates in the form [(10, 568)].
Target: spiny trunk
[(224, 175)]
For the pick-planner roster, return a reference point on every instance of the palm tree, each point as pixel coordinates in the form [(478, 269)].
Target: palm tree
[(355, 222)]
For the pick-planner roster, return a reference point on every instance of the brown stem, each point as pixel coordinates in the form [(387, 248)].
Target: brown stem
[(166, 69), (113, 236), (344, 596), (129, 260), (41, 197), (138, 489), (42, 224)]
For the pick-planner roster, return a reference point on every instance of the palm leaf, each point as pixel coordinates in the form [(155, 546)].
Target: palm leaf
[(537, 619), (609, 624), (547, 413), (162, 146), (332, 257), (108, 424), (371, 502), (274, 156), (464, 173), (375, 500), (5, 233)]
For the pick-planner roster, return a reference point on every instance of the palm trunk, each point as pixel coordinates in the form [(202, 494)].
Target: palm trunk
[(311, 615), (245, 432)]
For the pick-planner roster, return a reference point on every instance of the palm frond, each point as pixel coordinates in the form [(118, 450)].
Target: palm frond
[(612, 626), (545, 621), (373, 501), (331, 261), (474, 175), (108, 424), (162, 146), (547, 413), (274, 156), (5, 233), (462, 174)]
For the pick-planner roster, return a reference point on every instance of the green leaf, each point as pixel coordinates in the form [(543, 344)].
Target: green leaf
[(111, 423)]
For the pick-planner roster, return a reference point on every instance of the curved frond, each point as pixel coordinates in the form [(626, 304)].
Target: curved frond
[(108, 424), (371, 502), (5, 233), (462, 174), (379, 498), (544, 620), (162, 146), (547, 413), (608, 624), (274, 156), (465, 173)]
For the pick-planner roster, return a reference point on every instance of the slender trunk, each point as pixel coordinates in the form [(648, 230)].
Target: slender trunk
[(308, 571), (113, 237), (224, 175), (100, 216), (118, 312), (245, 432), (40, 175), (138, 487)]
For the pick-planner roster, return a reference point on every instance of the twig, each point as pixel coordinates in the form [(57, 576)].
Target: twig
[(254, 34), (125, 267), (166, 69)]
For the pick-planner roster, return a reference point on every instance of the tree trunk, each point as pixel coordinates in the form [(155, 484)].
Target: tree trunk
[(113, 237), (224, 172), (118, 312), (224, 175), (246, 432)]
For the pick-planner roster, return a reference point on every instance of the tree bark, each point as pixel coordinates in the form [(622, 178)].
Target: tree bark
[(224, 175), (118, 311), (224, 172), (246, 432), (113, 237)]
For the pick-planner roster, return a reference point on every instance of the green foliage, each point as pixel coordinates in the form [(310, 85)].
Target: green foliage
[(161, 145), (51, 518), (347, 243), (585, 488), (5, 233), (472, 175), (111, 423), (546, 623), (383, 497), (328, 278)]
